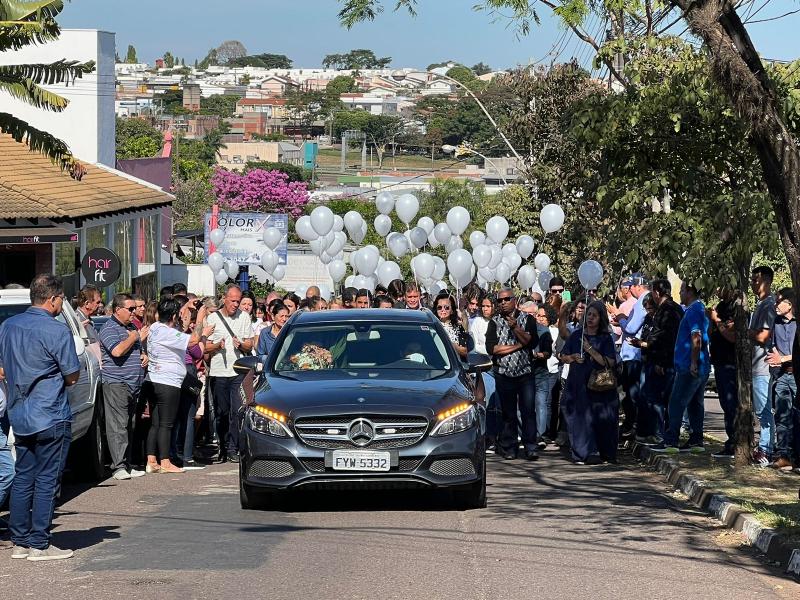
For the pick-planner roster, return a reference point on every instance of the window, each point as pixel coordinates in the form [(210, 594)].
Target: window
[(511, 171)]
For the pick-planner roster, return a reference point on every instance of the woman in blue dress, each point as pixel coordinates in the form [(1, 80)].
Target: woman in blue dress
[(592, 417)]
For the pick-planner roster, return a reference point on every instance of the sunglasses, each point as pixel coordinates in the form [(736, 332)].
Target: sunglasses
[(128, 308), (443, 307), (506, 299), (556, 290)]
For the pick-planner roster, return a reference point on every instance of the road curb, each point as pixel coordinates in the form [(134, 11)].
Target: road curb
[(730, 514)]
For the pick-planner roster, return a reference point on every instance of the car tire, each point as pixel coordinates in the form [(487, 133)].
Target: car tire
[(251, 498), (472, 496), (91, 450)]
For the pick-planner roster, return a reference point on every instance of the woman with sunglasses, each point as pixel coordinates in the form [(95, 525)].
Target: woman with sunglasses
[(445, 308)]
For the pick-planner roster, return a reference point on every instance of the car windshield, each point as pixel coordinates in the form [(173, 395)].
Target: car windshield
[(9, 310), (354, 347)]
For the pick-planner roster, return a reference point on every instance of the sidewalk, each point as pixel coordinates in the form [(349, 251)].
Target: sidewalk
[(760, 502)]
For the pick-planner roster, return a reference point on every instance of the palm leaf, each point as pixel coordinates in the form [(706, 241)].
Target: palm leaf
[(48, 74), (18, 34), (41, 142), (29, 92), (26, 10)]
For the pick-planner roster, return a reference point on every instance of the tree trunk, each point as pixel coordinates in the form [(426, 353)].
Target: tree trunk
[(740, 73), (743, 425)]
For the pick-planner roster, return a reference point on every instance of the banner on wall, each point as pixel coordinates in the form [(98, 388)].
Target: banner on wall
[(243, 243)]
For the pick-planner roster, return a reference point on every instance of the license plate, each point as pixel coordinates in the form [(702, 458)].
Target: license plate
[(360, 460)]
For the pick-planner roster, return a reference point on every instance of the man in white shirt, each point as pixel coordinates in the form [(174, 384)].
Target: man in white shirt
[(232, 338)]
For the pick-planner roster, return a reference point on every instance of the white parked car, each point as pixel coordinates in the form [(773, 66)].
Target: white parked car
[(88, 444)]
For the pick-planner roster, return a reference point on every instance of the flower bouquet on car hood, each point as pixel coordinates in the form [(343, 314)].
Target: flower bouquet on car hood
[(312, 358)]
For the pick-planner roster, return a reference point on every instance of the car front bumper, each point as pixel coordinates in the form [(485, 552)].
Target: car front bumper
[(435, 462)]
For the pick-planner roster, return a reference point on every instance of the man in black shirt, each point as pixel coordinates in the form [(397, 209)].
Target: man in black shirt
[(510, 338), (722, 345), (659, 373)]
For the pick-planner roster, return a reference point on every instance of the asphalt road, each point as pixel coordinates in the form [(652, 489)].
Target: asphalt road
[(552, 530)]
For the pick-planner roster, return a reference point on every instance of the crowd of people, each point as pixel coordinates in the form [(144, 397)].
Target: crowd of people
[(582, 374)]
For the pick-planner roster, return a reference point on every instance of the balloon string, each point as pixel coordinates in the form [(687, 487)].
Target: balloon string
[(583, 328)]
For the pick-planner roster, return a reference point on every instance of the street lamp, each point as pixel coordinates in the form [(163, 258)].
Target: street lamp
[(401, 75), (463, 149)]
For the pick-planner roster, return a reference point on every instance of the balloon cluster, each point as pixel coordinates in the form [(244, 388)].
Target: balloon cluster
[(490, 260), (225, 269)]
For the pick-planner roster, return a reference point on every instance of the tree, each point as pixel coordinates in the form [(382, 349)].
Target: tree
[(264, 61), (295, 172), (341, 84), (210, 60), (136, 138), (223, 105), (230, 50), (130, 56), (355, 60), (24, 24), (169, 60), (440, 65), (481, 69), (193, 198), (259, 191), (380, 130)]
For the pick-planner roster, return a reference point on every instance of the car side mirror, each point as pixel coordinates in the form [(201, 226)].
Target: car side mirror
[(248, 363), (80, 345), (479, 363)]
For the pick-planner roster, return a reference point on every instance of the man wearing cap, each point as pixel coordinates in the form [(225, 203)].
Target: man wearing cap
[(630, 325)]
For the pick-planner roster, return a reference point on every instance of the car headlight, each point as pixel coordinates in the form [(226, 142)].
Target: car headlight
[(267, 421), (458, 418)]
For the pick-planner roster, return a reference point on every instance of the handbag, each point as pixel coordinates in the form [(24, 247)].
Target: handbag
[(602, 379), (193, 384)]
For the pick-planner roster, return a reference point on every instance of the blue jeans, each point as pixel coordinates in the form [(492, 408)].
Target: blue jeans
[(516, 393), (40, 463), (784, 392), (544, 388), (688, 393), (763, 409), (631, 386), (655, 394), (6, 461), (728, 392), (494, 422)]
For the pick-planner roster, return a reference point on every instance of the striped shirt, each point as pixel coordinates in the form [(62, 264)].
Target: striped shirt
[(123, 369)]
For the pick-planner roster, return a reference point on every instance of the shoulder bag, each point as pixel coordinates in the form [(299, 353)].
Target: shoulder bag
[(603, 379)]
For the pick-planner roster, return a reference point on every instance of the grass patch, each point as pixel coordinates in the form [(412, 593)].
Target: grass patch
[(332, 158), (770, 495)]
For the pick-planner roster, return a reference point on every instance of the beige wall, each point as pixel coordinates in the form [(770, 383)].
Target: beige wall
[(246, 151)]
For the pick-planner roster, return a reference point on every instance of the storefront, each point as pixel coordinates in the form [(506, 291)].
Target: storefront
[(48, 220)]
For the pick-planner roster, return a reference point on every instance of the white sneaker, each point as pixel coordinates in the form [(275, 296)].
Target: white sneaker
[(135, 473), (20, 552), (49, 553), (121, 475)]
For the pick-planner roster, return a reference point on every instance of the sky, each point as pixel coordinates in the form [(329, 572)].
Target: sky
[(307, 30)]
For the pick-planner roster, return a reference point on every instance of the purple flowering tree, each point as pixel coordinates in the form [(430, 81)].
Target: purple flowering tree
[(259, 191)]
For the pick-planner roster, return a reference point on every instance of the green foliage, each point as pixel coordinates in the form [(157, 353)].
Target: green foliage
[(264, 61), (169, 60), (447, 122), (356, 60), (380, 130), (130, 55), (221, 105), (269, 137), (193, 198), (136, 138), (481, 69), (514, 203), (295, 172), (341, 84)]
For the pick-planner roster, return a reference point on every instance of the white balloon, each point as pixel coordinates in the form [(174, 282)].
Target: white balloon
[(322, 220), (384, 202), (398, 244), (279, 272), (542, 261), (304, 229), (352, 222), (482, 255), (551, 218), (407, 207), (439, 267), (339, 240), (383, 225), (338, 223), (502, 272), (366, 261), (359, 235), (477, 238), (301, 290), (487, 274), (350, 280), (325, 258), (513, 261), (497, 256), (458, 220), (231, 268), (454, 243), (272, 236), (324, 291), (217, 236), (590, 274), (427, 224), (318, 246), (497, 229), (418, 237), (459, 263), (424, 266), (526, 277), (442, 233), (269, 260), (388, 271), (544, 280), (221, 277), (432, 241), (215, 261), (525, 244), (337, 269), (509, 249)]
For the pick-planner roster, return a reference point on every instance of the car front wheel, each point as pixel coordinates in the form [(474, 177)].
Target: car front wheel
[(472, 496)]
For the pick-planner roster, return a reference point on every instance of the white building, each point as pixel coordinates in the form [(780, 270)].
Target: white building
[(87, 124)]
